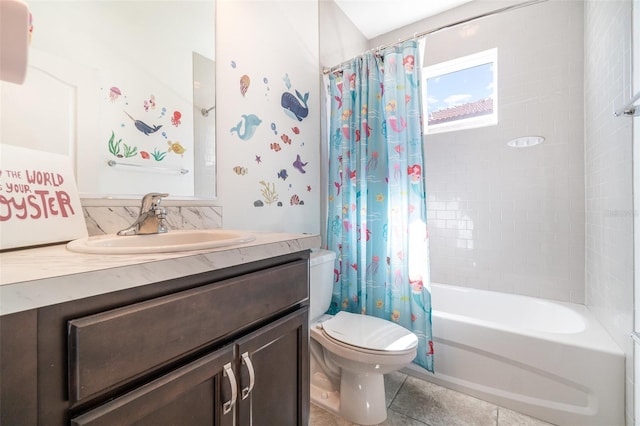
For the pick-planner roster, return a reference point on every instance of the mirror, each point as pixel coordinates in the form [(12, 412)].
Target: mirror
[(125, 88)]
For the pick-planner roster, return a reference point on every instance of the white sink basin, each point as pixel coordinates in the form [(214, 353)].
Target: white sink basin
[(172, 241)]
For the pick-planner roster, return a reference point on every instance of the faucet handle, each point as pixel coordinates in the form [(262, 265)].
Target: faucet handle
[(151, 199)]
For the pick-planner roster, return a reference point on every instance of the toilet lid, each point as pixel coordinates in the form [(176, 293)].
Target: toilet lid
[(369, 332)]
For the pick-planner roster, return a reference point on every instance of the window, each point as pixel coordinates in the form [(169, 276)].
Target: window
[(461, 93)]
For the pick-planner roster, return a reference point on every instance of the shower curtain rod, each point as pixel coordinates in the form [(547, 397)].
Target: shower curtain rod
[(435, 30)]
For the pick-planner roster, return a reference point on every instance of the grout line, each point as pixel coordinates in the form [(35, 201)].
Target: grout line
[(393, 398)]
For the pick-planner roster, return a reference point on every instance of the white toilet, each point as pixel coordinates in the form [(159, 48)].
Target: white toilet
[(350, 353)]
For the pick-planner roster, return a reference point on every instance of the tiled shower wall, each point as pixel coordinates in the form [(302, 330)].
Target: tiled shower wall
[(510, 219), (609, 174)]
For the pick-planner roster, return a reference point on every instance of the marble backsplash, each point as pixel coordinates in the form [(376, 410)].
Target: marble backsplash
[(107, 220)]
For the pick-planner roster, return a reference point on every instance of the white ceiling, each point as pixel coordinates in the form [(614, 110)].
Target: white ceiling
[(376, 17)]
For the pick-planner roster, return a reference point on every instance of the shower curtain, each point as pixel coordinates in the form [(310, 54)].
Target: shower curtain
[(376, 199)]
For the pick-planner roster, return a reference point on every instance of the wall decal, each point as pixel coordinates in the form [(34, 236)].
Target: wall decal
[(151, 103), (240, 171), (248, 124), (114, 93), (295, 106), (273, 127), (287, 82), (114, 148), (158, 155), (258, 159), (275, 146), (268, 192), (176, 148), (143, 127), (175, 120), (245, 81), (282, 174), (286, 139), (295, 130), (298, 164), (233, 64)]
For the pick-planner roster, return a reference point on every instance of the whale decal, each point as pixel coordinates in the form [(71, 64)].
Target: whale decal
[(295, 106), (248, 124), (144, 127)]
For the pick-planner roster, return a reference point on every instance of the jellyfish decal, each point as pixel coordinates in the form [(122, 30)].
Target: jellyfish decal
[(114, 93)]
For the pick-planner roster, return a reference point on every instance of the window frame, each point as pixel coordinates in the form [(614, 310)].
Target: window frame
[(489, 56)]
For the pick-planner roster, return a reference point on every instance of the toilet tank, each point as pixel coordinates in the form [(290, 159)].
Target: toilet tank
[(320, 282)]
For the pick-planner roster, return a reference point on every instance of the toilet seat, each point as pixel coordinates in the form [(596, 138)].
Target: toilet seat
[(369, 334)]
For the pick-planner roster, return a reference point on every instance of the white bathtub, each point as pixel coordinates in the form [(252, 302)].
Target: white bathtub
[(550, 360)]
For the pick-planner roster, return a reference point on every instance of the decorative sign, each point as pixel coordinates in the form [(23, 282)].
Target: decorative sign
[(39, 202)]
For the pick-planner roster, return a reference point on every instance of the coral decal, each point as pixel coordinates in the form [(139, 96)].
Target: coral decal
[(268, 192)]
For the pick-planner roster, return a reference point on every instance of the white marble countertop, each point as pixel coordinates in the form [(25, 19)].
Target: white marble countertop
[(43, 276)]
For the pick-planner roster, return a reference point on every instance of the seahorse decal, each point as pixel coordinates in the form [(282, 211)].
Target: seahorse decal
[(295, 106)]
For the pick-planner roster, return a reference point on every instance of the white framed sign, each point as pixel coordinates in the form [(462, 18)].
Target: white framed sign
[(39, 201)]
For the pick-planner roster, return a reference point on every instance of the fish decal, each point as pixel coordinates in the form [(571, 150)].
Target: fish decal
[(295, 130), (275, 146), (295, 106), (143, 127), (248, 124), (282, 174), (176, 147), (286, 139), (298, 164), (240, 171)]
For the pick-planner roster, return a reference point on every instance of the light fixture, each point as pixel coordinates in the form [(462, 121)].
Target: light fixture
[(525, 141)]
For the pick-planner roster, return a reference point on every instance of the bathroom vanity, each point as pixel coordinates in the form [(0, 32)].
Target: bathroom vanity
[(197, 338)]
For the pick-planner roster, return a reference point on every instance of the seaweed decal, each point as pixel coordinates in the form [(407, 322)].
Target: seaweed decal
[(130, 151), (268, 192), (158, 155), (114, 147)]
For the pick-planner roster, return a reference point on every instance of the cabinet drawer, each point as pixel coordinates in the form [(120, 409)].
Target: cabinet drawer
[(110, 348), (190, 395)]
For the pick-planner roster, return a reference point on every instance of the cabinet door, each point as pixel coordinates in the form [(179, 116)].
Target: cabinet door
[(200, 393), (273, 366)]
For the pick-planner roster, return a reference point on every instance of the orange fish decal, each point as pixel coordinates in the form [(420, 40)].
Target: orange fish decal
[(295, 130), (276, 146), (286, 139)]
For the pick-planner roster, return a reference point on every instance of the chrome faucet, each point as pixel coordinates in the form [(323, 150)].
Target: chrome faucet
[(151, 217)]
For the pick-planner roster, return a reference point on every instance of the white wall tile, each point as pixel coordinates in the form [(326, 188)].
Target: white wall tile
[(608, 175)]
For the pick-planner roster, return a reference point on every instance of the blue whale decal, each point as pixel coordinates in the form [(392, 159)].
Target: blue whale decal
[(295, 107)]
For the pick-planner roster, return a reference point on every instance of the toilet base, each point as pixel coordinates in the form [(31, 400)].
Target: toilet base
[(361, 398)]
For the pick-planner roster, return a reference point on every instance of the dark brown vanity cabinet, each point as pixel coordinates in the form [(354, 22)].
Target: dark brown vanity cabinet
[(228, 347)]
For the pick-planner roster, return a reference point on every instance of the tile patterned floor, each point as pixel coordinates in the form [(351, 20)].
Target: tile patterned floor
[(415, 402)]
